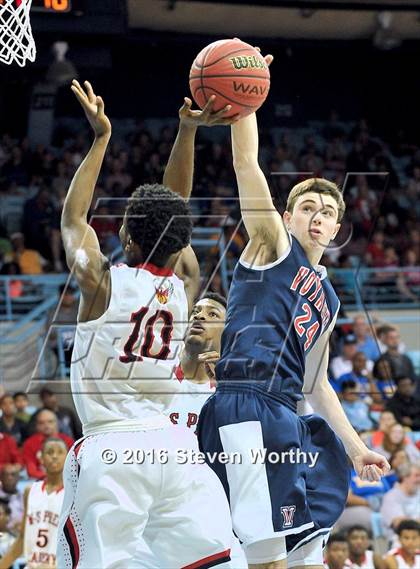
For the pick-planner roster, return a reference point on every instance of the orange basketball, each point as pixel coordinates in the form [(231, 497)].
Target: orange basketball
[(235, 72)]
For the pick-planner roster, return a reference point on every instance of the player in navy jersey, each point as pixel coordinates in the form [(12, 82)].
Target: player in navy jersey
[(281, 312)]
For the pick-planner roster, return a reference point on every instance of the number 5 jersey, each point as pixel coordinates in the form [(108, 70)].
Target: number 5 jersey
[(125, 364)]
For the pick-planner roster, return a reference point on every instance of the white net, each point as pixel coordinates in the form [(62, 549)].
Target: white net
[(16, 41)]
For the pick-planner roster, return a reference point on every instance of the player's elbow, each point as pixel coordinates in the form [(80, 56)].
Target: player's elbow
[(245, 163)]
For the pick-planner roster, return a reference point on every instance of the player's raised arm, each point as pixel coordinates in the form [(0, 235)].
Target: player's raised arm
[(262, 220), (321, 396), (80, 240), (180, 168)]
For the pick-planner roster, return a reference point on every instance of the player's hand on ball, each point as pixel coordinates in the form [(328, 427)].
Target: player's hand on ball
[(94, 108), (371, 466), (206, 117), (209, 359)]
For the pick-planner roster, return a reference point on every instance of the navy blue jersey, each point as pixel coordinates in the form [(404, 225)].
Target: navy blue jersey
[(275, 315)]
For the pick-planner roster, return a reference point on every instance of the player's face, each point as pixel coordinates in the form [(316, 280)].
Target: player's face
[(206, 326), (337, 553), (53, 457), (358, 542), (314, 220), (410, 540)]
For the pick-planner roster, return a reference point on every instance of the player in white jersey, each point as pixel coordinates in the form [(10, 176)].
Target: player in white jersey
[(360, 557), (336, 552), (37, 540), (407, 556), (123, 475), (198, 358)]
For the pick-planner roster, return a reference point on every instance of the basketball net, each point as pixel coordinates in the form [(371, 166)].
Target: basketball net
[(16, 41)]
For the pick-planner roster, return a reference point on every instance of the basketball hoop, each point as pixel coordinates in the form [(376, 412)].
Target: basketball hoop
[(16, 41)]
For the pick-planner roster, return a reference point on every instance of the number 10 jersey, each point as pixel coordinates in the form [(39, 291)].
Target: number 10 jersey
[(125, 364)]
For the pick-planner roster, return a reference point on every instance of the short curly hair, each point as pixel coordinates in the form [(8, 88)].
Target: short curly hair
[(159, 221)]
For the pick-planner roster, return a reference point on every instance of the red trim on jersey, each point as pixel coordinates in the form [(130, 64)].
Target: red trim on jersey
[(210, 561), (179, 373), (72, 542), (78, 447), (159, 271)]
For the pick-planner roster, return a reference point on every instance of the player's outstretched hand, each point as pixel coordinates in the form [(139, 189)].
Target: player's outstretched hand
[(94, 108), (209, 359), (371, 466), (206, 117)]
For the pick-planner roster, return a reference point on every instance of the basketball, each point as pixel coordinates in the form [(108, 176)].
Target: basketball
[(235, 72)]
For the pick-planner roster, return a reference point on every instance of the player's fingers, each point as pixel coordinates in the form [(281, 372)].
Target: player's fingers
[(209, 106), (100, 104), (90, 93), (269, 59), (186, 105), (80, 96), (210, 370)]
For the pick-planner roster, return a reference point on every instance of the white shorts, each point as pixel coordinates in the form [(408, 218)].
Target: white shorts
[(308, 554), (112, 502)]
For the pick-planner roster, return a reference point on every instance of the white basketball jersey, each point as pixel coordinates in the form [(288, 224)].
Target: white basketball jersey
[(125, 364), (41, 524), (401, 562), (367, 562), (186, 405)]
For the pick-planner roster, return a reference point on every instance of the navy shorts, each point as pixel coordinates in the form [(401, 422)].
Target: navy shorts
[(271, 490)]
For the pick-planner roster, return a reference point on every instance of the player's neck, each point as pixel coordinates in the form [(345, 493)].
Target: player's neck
[(314, 256), (54, 482), (357, 558), (193, 369)]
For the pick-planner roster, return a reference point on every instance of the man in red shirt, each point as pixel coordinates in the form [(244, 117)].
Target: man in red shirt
[(46, 426), (9, 452)]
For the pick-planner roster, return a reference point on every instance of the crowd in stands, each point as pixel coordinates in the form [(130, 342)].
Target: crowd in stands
[(371, 371), (380, 223)]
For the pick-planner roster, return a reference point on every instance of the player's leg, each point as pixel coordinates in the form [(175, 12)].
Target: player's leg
[(267, 500), (308, 556), (190, 524), (327, 477), (109, 496)]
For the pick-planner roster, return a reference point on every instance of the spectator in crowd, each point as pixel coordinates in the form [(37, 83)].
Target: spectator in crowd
[(6, 538), (337, 552), (9, 424), (9, 452), (408, 553), (395, 438), (356, 410), (42, 227), (375, 439), (359, 553), (15, 289), (67, 315), (404, 404), (400, 364), (10, 494), (23, 410), (46, 426), (30, 261), (381, 332), (408, 282), (396, 459), (402, 501), (68, 421), (366, 343), (359, 374), (363, 499), (344, 363)]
